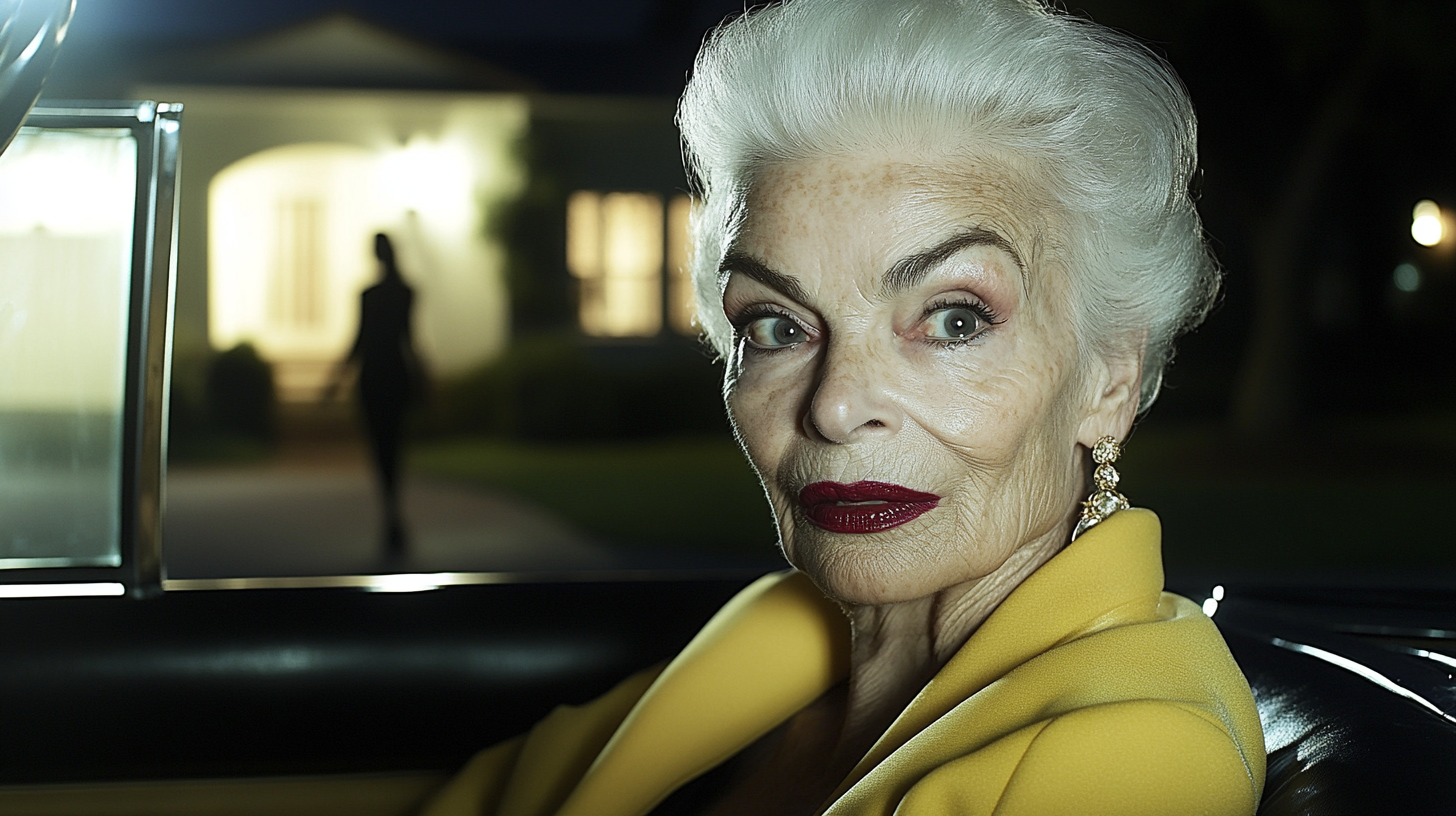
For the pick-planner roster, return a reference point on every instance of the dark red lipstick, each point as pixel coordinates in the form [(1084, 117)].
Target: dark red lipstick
[(863, 507)]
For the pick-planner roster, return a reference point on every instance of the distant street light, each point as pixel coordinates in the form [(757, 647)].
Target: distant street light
[(1426, 223)]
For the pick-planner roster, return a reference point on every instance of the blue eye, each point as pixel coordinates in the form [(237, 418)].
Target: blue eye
[(774, 331), (954, 323)]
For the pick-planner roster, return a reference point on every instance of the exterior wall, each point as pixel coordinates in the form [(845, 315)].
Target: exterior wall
[(445, 161)]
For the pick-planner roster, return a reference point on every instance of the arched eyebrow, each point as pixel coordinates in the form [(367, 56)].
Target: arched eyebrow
[(909, 271), (754, 268), (906, 272)]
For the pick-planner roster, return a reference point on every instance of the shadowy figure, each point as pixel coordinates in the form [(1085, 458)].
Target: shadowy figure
[(389, 381)]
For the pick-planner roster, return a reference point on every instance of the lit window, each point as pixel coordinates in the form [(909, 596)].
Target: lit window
[(298, 292), (614, 247)]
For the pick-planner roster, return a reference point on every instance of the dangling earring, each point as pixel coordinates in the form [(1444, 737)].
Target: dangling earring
[(1105, 500)]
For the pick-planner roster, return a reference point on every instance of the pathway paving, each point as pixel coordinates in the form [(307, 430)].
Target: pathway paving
[(292, 518)]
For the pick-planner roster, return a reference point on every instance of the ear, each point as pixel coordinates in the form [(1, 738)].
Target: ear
[(1114, 390)]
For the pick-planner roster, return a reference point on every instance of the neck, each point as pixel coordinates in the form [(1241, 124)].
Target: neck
[(898, 647)]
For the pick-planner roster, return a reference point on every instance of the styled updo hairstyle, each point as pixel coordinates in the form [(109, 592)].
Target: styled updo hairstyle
[(1104, 122)]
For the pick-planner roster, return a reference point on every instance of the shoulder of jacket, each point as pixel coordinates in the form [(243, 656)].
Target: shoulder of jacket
[(1154, 757)]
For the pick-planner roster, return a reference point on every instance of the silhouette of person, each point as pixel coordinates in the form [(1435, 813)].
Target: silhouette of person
[(389, 377)]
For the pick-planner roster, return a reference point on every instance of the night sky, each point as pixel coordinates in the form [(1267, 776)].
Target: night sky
[(477, 20), (566, 46)]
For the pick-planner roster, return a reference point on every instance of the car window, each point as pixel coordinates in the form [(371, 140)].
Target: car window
[(560, 415), (85, 263), (513, 384), (65, 270)]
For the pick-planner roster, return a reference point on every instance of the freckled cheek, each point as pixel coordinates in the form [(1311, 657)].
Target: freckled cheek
[(764, 406)]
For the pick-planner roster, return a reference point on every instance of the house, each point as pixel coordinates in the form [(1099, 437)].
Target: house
[(299, 145)]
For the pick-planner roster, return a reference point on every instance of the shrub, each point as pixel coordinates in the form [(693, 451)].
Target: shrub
[(557, 388), (239, 394)]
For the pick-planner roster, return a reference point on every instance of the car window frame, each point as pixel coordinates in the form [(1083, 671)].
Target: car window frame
[(156, 128)]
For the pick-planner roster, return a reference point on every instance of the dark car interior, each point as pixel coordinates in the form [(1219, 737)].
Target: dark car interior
[(1354, 689)]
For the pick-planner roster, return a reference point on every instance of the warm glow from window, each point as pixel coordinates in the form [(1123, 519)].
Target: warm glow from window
[(289, 250), (298, 290), (614, 246), (584, 234), (682, 302), (1426, 224)]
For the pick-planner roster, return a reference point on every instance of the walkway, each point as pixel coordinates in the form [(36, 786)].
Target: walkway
[(321, 518)]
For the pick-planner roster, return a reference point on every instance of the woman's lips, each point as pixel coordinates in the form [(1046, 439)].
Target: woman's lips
[(863, 507)]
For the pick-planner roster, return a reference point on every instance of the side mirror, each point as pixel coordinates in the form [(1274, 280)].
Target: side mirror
[(30, 37)]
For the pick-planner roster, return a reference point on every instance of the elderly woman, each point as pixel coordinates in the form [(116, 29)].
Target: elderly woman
[(945, 248)]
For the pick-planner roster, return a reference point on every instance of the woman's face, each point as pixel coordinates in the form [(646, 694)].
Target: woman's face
[(905, 377)]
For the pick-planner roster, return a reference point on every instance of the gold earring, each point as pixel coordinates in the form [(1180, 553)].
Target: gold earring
[(1105, 500)]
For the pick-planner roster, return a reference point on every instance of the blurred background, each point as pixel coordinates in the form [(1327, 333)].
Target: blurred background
[(524, 161)]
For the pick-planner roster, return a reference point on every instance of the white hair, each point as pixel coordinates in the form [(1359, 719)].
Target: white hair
[(1106, 122)]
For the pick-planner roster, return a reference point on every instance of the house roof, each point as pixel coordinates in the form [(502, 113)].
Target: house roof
[(336, 50)]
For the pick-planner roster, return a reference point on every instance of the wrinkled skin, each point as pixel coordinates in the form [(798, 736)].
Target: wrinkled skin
[(967, 383)]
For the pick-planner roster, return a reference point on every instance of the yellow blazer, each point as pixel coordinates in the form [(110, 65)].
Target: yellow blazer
[(1088, 691)]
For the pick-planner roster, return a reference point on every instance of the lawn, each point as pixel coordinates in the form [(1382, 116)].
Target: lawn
[(1368, 496), (1251, 509), (675, 493)]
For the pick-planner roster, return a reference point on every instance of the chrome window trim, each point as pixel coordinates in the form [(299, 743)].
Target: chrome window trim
[(156, 128), (419, 582)]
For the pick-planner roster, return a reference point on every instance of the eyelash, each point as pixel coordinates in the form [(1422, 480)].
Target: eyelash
[(758, 311), (981, 310)]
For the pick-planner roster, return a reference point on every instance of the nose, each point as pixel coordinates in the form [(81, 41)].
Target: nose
[(853, 398)]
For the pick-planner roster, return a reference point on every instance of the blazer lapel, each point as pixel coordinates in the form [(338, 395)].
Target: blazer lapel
[(771, 651), (780, 644), (1112, 575)]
